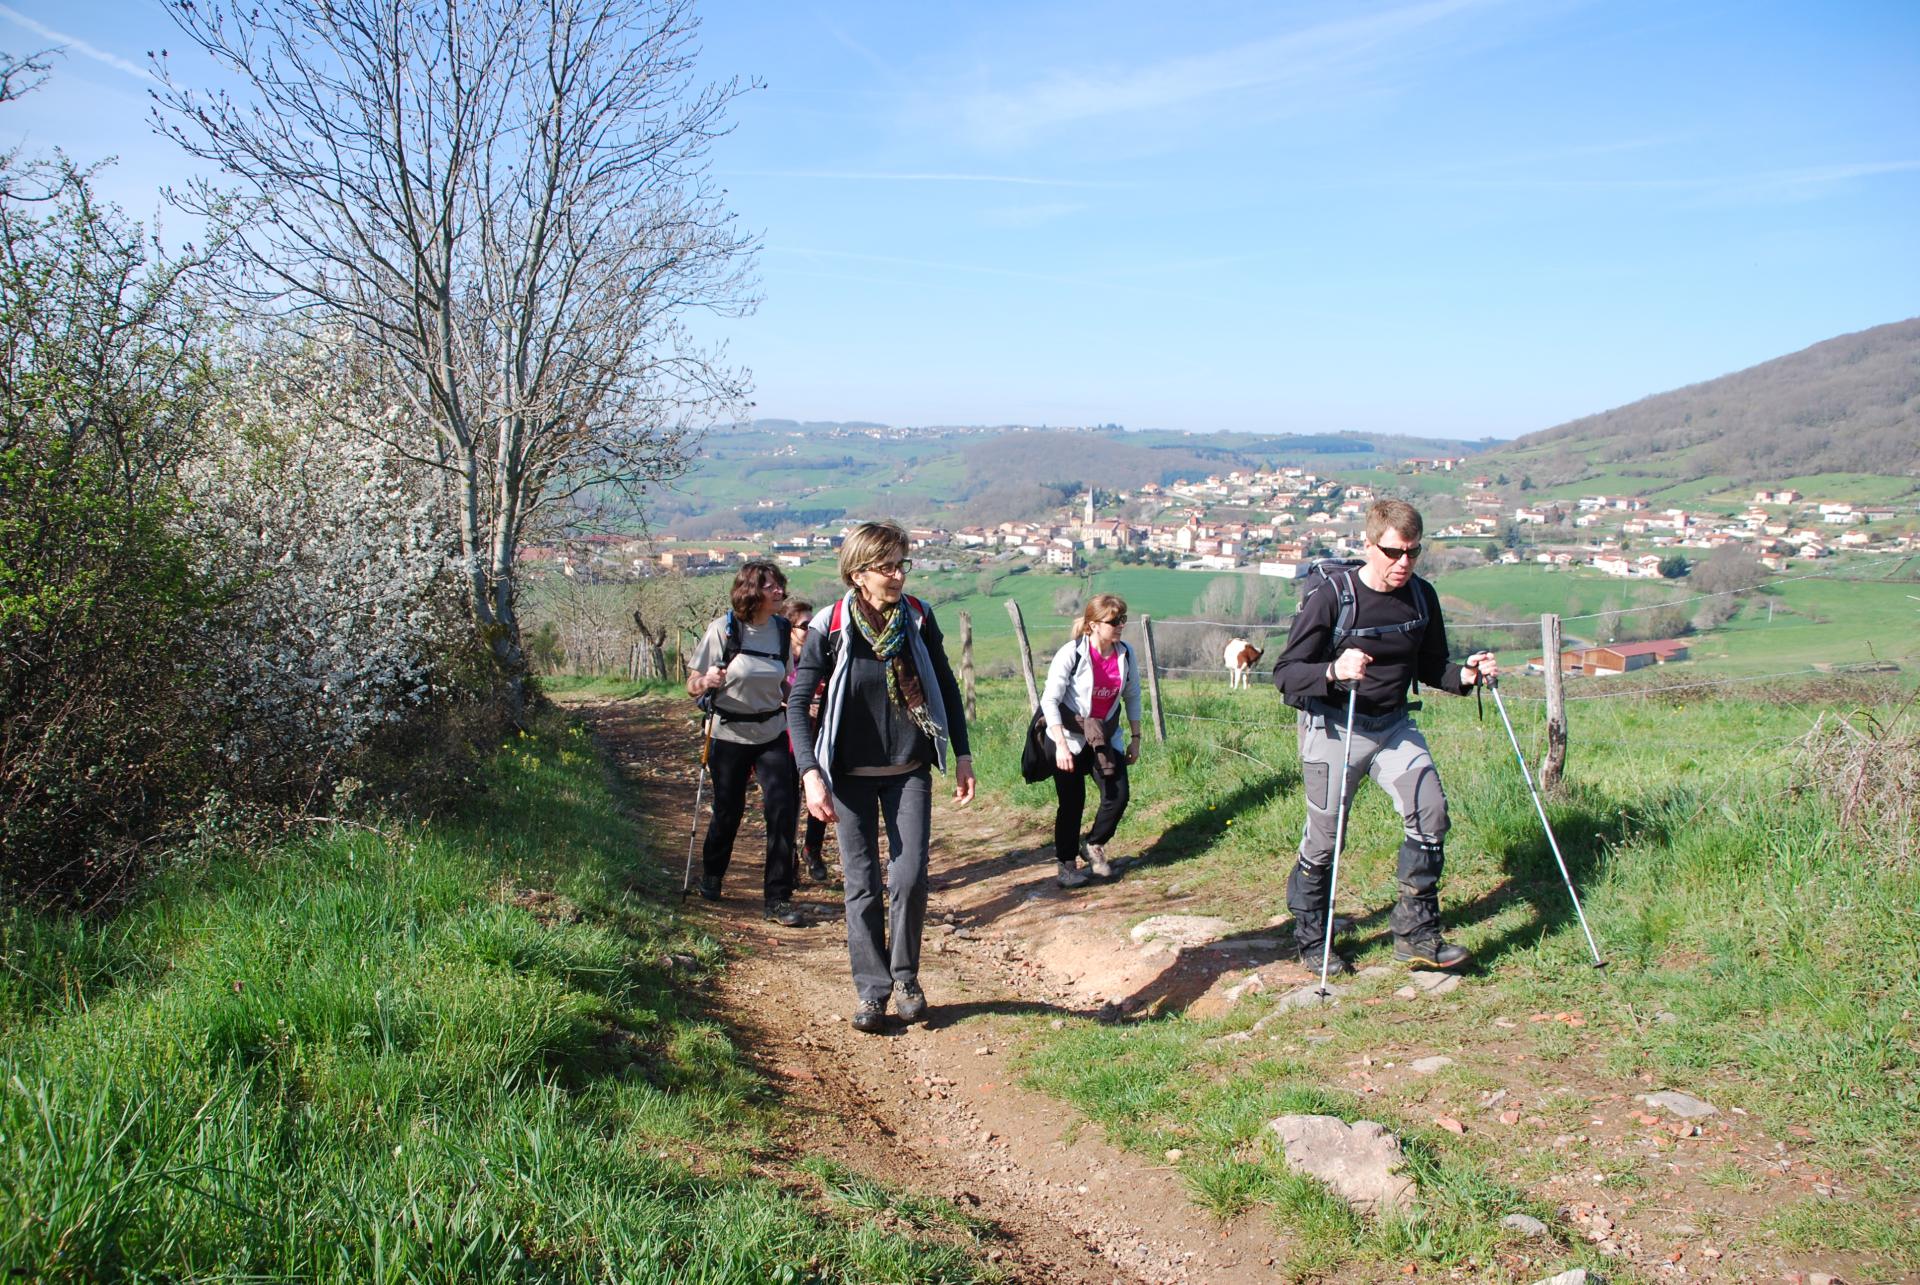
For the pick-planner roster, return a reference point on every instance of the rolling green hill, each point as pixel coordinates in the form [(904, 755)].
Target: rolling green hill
[(783, 475), (1847, 406)]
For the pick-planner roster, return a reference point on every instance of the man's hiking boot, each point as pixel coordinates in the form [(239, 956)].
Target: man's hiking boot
[(1097, 861), (816, 868), (1429, 952), (910, 1002), (1070, 875), (870, 1016), (785, 913), (1338, 965), (709, 887)]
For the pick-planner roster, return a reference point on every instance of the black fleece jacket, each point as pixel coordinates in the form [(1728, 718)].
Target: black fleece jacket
[(1398, 659)]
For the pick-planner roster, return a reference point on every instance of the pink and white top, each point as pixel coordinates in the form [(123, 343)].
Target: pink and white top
[(1106, 682)]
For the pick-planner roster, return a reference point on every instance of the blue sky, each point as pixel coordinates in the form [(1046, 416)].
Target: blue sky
[(1456, 217)]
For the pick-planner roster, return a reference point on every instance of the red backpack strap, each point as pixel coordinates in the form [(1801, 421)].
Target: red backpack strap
[(918, 607)]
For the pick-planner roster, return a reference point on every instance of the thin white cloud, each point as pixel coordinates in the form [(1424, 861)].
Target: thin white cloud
[(1348, 47), (1030, 216), (916, 176), (1781, 183), (1096, 281), (77, 45)]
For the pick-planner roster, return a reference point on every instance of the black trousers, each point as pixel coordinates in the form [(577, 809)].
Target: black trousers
[(1071, 789), (772, 765)]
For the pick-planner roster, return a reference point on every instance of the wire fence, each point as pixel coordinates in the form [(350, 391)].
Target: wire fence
[(1246, 627)]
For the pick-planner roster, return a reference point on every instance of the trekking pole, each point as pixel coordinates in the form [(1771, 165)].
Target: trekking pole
[(706, 747), (1493, 685), (1339, 838)]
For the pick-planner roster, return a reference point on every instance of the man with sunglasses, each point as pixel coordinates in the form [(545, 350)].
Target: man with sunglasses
[(1373, 629)]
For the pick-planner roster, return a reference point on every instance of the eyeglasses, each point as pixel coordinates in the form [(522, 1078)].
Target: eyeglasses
[(1392, 554), (899, 568)]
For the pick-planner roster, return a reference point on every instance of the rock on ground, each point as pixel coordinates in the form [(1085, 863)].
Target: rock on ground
[(1578, 1276), (1181, 931), (1423, 982), (1428, 1065), (1359, 1161), (1525, 1224), (1684, 1105)]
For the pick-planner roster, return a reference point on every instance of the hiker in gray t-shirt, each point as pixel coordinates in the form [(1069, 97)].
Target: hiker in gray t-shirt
[(739, 675)]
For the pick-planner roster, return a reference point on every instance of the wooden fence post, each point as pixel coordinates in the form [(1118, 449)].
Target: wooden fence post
[(1556, 759), (1153, 684), (966, 662), (1026, 656)]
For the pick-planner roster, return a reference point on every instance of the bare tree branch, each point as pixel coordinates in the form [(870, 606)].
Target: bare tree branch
[(509, 203)]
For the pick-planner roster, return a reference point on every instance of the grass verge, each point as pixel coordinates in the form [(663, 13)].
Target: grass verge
[(466, 1051), (1763, 957)]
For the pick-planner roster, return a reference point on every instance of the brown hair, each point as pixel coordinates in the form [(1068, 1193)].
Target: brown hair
[(1393, 515), (750, 585), (872, 542), (1102, 606), (796, 608)]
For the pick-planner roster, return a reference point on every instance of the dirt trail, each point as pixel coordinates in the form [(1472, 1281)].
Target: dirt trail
[(935, 1107)]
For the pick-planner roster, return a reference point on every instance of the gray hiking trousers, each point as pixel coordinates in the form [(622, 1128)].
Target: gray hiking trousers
[(1391, 750), (884, 924)]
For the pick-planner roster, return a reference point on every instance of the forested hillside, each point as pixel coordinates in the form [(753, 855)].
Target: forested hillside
[(1847, 405)]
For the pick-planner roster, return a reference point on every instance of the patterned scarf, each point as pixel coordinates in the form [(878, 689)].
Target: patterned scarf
[(886, 632)]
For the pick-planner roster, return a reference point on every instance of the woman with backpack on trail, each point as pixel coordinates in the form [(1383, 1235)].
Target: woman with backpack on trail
[(800, 612), (740, 679), (890, 711), (1092, 678)]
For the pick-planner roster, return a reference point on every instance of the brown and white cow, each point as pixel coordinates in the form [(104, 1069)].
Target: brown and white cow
[(1241, 658)]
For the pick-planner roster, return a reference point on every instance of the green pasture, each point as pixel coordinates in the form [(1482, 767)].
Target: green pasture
[(1779, 942), (466, 1051)]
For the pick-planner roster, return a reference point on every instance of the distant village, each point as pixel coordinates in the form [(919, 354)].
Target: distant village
[(1279, 522)]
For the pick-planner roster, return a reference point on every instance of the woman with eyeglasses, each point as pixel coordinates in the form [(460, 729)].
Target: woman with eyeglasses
[(1369, 632), (1089, 682), (739, 676), (889, 714)]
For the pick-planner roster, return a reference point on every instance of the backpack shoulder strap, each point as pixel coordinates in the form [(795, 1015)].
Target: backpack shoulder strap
[(1343, 619), (729, 639), (783, 629)]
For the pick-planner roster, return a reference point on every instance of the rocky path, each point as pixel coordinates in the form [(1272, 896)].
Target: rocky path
[(934, 1107), (937, 1109)]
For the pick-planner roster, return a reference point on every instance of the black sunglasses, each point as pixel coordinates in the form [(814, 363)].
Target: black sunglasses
[(1392, 554)]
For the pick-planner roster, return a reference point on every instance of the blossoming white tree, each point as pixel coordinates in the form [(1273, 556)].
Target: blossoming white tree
[(342, 554), (508, 202)]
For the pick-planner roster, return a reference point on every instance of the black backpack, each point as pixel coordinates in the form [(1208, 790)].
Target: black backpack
[(1336, 576), (732, 645)]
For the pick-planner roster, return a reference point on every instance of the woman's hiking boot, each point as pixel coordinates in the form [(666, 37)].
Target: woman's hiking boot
[(1097, 861), (709, 887), (910, 1002), (870, 1016), (786, 914), (816, 868), (1070, 875), (1428, 952)]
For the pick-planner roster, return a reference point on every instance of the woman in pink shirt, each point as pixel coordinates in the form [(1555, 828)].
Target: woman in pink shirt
[(1089, 682)]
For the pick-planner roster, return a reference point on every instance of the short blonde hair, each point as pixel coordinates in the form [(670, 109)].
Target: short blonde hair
[(872, 542), (1393, 515), (1102, 606)]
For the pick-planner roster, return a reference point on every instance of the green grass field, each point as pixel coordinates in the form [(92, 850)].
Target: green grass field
[(1781, 942), (468, 1051)]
